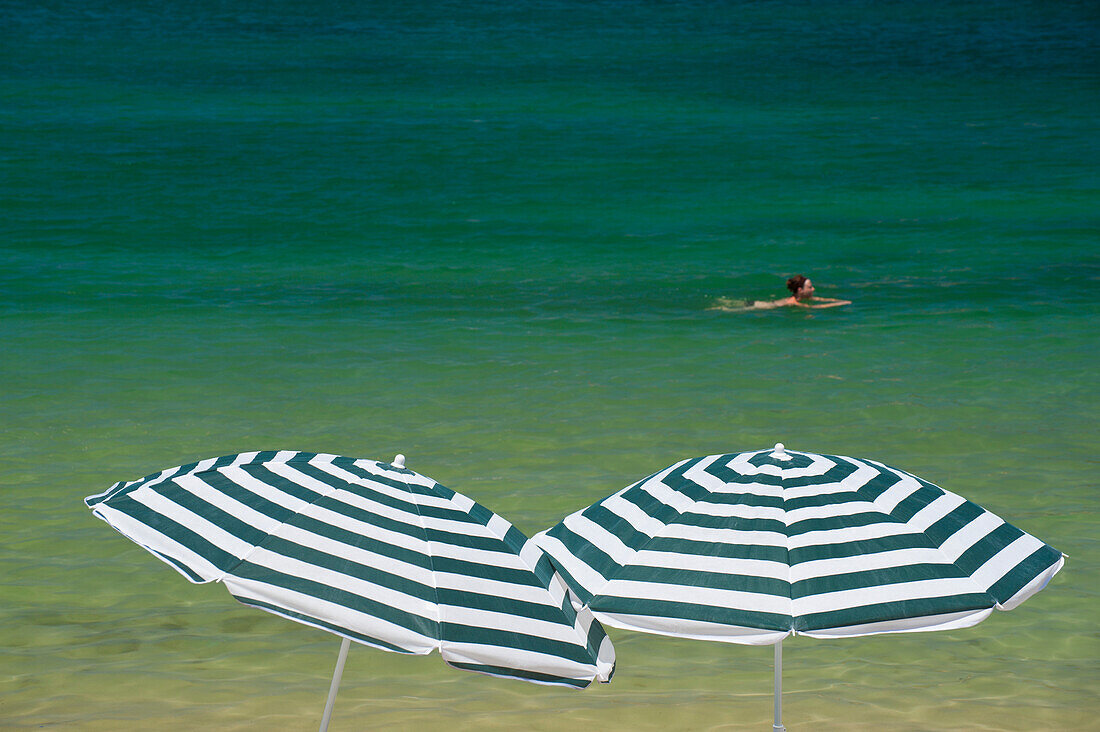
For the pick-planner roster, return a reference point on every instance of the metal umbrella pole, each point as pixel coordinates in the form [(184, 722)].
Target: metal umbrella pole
[(336, 676), (777, 726)]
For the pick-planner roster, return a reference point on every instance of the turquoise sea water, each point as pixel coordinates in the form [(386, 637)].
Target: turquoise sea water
[(492, 236)]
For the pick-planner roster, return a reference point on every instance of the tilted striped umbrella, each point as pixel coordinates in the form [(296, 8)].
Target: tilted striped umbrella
[(753, 547), (370, 551)]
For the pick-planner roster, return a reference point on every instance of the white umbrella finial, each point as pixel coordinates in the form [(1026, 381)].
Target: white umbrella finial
[(398, 461), (780, 452)]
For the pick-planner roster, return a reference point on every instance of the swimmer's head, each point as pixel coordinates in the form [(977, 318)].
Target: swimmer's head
[(801, 287)]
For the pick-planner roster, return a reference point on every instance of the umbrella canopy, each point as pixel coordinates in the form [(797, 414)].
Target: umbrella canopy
[(755, 546), (370, 551)]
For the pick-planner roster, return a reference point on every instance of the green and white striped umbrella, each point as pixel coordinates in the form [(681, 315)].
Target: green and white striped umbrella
[(370, 551), (755, 546)]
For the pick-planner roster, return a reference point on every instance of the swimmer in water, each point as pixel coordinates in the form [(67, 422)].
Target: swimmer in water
[(802, 296)]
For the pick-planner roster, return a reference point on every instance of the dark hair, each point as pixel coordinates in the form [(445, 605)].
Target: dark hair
[(795, 283)]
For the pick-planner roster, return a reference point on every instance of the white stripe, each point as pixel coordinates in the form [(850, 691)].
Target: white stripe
[(713, 484), (530, 554), (1006, 560), (469, 527), (861, 476), (203, 491), (588, 578), (732, 599), (265, 490), (159, 478), (725, 536), (379, 593), (292, 474), (947, 621), (355, 526), (819, 465), (462, 503), (402, 476), (746, 489), (1034, 585), (600, 537), (664, 495), (740, 511), (935, 511), (832, 510), (497, 526), (635, 516), (535, 594), (827, 537), (213, 533), (736, 566), (340, 550), (158, 543), (695, 629), (866, 563), (510, 622), (401, 494), (333, 613), (970, 534), (501, 557), (508, 657), (889, 500), (878, 594)]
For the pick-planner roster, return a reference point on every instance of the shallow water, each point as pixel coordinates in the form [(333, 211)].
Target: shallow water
[(492, 239)]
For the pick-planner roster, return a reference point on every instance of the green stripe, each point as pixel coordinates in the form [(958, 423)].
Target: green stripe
[(984, 549), (832, 523), (694, 578), (497, 603), (410, 528), (898, 610), (616, 525), (435, 489), (511, 575), (180, 567), (361, 541), (737, 523), (365, 605), (351, 568), (875, 578), (263, 474), (837, 473), (198, 544), (691, 611), (585, 551), (764, 552), (596, 635), (479, 635), (456, 538), (578, 589), (409, 505), (219, 482), (868, 492), (1038, 562), (861, 547), (225, 521), (915, 502), (950, 524)]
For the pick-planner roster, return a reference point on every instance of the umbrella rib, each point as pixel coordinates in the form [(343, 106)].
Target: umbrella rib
[(434, 608), (275, 533)]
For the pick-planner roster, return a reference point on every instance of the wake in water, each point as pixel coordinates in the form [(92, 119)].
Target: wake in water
[(737, 305)]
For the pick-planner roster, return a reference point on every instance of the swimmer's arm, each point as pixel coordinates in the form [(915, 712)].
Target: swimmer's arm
[(829, 302)]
